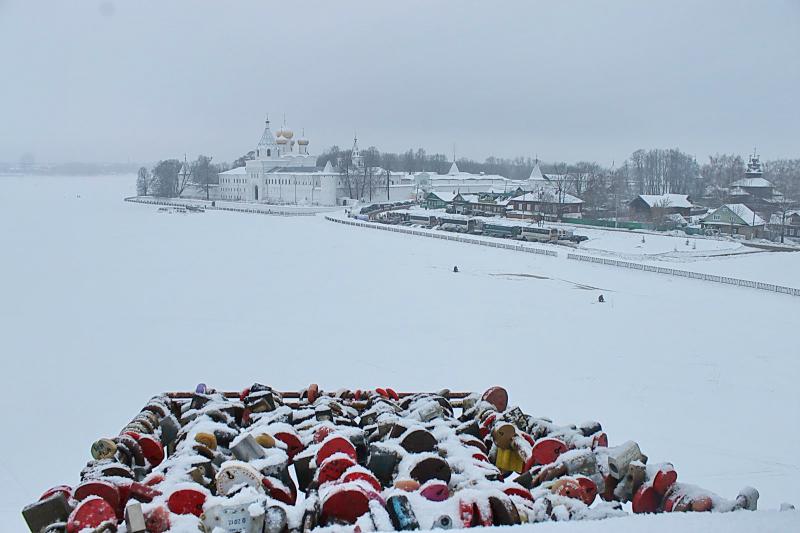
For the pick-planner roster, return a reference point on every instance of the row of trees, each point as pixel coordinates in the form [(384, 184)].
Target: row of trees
[(653, 171), (170, 178)]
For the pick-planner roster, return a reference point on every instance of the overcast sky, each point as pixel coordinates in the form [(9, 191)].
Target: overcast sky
[(92, 80)]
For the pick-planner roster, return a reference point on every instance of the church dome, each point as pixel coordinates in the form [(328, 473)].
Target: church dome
[(281, 139), (288, 133), (302, 141)]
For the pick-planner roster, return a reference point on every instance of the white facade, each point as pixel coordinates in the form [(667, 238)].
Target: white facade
[(284, 172)]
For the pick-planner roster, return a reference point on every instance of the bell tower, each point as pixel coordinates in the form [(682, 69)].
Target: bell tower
[(267, 147)]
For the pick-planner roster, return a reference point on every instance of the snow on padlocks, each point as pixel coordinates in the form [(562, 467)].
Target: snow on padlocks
[(264, 461)]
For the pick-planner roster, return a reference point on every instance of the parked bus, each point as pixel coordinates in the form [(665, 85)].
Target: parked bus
[(500, 230), (428, 221), (537, 234), (459, 225)]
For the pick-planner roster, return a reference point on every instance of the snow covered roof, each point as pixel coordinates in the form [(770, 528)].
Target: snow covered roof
[(293, 170), (466, 176), (677, 218), (666, 200), (752, 182), (549, 195), (444, 196), (453, 169), (267, 139), (738, 191), (536, 173), (747, 215), (238, 171), (777, 218), (470, 197)]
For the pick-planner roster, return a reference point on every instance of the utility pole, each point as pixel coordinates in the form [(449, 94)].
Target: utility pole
[(208, 167)]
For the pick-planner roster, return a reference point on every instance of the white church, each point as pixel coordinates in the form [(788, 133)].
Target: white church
[(284, 172)]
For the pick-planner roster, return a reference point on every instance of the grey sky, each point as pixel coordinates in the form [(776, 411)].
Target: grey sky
[(95, 80)]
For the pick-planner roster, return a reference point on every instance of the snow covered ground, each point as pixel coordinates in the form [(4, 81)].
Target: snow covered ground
[(718, 256), (105, 303)]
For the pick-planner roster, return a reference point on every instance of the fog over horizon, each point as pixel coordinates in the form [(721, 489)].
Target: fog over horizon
[(103, 81)]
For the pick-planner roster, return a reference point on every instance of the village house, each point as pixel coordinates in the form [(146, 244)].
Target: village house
[(439, 200), (480, 205), (545, 203), (734, 219), (789, 226), (657, 207)]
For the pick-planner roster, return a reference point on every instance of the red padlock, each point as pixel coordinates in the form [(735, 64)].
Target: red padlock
[(312, 393), (497, 396), (333, 468), (333, 445), (157, 520), (547, 450), (66, 490), (646, 500), (91, 513), (97, 487), (518, 490), (589, 489), (277, 490), (152, 449), (292, 442), (362, 475), (187, 501), (663, 480), (345, 502), (435, 490)]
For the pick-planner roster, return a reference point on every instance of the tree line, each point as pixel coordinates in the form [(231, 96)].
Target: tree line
[(170, 178), (653, 171)]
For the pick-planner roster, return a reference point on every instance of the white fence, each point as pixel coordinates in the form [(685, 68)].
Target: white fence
[(445, 236), (177, 203), (687, 274)]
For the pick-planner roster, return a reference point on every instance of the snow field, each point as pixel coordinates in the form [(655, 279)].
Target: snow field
[(106, 303)]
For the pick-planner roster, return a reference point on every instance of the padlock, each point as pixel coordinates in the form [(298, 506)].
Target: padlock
[(234, 518), (345, 503), (401, 513), (134, 518), (431, 468), (247, 449), (236, 474), (52, 508), (620, 457)]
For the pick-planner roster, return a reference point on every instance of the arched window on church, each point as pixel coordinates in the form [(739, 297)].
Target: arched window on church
[(269, 152)]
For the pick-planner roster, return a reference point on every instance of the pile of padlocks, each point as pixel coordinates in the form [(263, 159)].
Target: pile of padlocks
[(263, 461)]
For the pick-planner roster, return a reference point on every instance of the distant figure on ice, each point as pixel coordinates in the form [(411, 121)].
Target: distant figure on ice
[(455, 268), (642, 238), (687, 242), (600, 299)]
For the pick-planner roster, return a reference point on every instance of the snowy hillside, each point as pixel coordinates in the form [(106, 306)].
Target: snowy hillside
[(106, 303)]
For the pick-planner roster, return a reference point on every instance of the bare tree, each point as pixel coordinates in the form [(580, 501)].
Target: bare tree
[(144, 182), (560, 179), (183, 178), (204, 174)]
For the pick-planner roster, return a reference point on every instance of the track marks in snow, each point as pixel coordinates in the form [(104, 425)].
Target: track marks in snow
[(574, 284)]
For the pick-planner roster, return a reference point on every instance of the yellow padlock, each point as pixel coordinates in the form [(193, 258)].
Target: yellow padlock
[(509, 461), (265, 440), (207, 439)]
